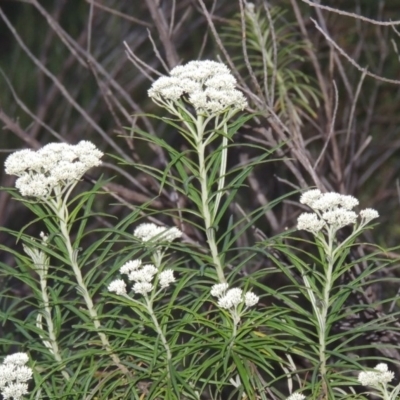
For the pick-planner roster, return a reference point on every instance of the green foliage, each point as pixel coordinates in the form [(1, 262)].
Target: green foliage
[(312, 330), (274, 55)]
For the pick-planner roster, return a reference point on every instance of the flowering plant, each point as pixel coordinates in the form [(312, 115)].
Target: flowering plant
[(135, 309)]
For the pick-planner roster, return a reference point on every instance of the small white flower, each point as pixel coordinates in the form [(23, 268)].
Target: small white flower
[(250, 299), (327, 201), (130, 266), (208, 85), (118, 286), (54, 165), (219, 289), (380, 375), (382, 367), (310, 222), (368, 214), (232, 299), (296, 396), (166, 278), (23, 373), (348, 202), (16, 359), (14, 375), (340, 217), (7, 373), (151, 232), (144, 274), (14, 390), (142, 287), (310, 196)]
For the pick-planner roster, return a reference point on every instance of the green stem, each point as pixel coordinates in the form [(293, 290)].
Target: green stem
[(41, 263), (325, 307), (160, 333), (61, 211), (205, 201), (52, 345), (236, 320)]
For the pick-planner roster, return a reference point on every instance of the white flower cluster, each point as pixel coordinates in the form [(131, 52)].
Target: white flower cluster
[(149, 232), (56, 164), (230, 299), (142, 276), (296, 396), (208, 85), (331, 209), (380, 376), (14, 375)]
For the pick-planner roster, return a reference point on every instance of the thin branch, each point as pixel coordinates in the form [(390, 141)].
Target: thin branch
[(18, 131), (313, 57), (119, 14), (345, 55), (77, 50), (157, 53), (90, 25), (352, 15), (38, 120), (163, 32), (62, 88), (331, 128)]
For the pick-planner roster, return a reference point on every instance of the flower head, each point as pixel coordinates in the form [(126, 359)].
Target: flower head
[(54, 165), (16, 359), (130, 266), (142, 287), (379, 376), (144, 274), (219, 289), (208, 85), (310, 196), (310, 222), (166, 278), (14, 375), (368, 214), (331, 210), (149, 232), (118, 286), (232, 299), (250, 299), (340, 217)]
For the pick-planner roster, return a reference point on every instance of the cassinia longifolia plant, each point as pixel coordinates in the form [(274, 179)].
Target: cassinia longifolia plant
[(181, 321)]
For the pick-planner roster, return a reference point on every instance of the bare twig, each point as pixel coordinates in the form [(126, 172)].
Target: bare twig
[(331, 128), (18, 131), (119, 14), (352, 15), (348, 58), (163, 32), (62, 88)]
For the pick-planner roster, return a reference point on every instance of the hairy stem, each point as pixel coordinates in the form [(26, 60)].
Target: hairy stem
[(41, 263), (205, 201), (61, 212), (160, 333)]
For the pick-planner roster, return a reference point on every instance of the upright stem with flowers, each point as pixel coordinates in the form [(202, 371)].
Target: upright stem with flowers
[(331, 212), (209, 88), (50, 175)]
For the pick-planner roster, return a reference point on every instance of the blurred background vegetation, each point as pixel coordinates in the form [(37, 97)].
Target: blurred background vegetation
[(65, 75)]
